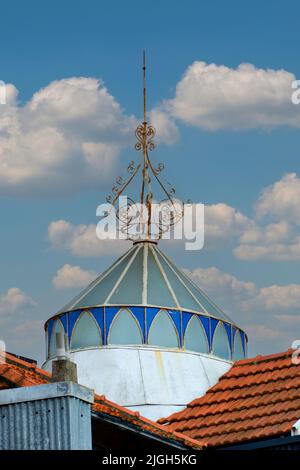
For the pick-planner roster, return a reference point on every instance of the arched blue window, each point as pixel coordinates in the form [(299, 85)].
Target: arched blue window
[(220, 342), (57, 328), (238, 350), (86, 332), (163, 331), (125, 329), (195, 337)]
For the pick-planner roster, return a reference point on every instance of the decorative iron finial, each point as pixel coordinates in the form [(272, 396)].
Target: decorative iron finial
[(148, 228), (144, 89)]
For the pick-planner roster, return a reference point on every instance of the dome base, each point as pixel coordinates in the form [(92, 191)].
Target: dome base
[(153, 381)]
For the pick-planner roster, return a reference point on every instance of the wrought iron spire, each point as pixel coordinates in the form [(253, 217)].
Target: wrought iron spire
[(145, 134)]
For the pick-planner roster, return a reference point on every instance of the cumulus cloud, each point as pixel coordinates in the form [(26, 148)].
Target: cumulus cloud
[(271, 233), (245, 295), (67, 137), (215, 97), (276, 297), (266, 313), (252, 239), (278, 240), (226, 287), (81, 240), (289, 251), (70, 277), (281, 199), (223, 221), (14, 301), (166, 129), (70, 134)]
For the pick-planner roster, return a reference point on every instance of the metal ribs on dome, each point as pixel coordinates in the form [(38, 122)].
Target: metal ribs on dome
[(145, 276)]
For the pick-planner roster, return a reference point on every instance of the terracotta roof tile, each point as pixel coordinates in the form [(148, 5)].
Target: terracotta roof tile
[(257, 398), (102, 405)]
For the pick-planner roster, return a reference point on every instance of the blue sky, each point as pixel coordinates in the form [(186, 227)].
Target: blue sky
[(228, 164)]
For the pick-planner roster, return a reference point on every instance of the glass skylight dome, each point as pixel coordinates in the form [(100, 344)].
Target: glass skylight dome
[(144, 299)]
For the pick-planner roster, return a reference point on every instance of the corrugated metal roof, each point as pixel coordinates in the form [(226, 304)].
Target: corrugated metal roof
[(62, 423), (144, 275)]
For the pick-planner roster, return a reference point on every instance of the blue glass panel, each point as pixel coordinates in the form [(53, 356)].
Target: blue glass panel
[(229, 334), (234, 331), (213, 326), (72, 320), (86, 332), (205, 323), (98, 314), (125, 329), (185, 319), (243, 338), (195, 338), (110, 313), (139, 313), (163, 332), (150, 314), (220, 342), (64, 320), (175, 315)]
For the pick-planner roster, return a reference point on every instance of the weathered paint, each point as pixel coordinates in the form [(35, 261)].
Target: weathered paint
[(154, 381)]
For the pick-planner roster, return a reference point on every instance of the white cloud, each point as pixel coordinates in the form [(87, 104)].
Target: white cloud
[(70, 277), (166, 129), (278, 240), (81, 240), (224, 285), (11, 94), (222, 224), (70, 134), (281, 200), (244, 295), (271, 233), (276, 297), (223, 221), (14, 301), (215, 97), (266, 313), (68, 137), (289, 251)]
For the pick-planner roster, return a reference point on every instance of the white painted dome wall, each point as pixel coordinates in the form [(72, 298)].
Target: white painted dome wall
[(156, 382)]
